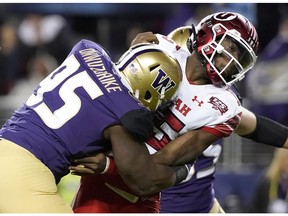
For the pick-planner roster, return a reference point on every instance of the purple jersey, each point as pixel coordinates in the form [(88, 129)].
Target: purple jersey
[(67, 113), (196, 195)]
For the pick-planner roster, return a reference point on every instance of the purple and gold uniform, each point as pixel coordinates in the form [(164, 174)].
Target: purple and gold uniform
[(62, 120)]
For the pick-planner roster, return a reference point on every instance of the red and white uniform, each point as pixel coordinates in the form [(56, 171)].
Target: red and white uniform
[(206, 107)]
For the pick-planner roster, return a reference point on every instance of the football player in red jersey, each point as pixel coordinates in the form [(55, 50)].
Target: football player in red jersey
[(223, 48)]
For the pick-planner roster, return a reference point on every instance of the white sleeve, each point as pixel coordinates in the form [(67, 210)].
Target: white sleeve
[(167, 43)]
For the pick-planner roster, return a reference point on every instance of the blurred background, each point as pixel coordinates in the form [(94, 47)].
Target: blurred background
[(36, 37)]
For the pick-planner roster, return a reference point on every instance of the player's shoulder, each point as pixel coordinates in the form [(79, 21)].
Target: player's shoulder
[(226, 94), (169, 44), (223, 99), (89, 46), (174, 49)]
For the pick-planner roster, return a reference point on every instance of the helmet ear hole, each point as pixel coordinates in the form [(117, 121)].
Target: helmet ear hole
[(148, 95)]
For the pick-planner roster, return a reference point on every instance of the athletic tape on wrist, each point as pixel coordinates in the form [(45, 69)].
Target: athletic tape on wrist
[(107, 165), (110, 167)]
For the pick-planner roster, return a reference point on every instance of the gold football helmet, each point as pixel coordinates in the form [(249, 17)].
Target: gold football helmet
[(181, 35), (150, 73)]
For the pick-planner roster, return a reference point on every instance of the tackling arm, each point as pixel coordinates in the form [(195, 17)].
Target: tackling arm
[(184, 149), (145, 37), (136, 167)]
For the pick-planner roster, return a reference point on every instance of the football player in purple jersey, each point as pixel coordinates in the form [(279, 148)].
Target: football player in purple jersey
[(88, 104), (197, 194)]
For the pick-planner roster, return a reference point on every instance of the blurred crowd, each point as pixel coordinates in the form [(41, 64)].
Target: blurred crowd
[(31, 48), (32, 43)]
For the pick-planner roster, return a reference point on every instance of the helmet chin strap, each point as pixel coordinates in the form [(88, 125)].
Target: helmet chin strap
[(136, 93), (192, 45), (204, 62), (200, 57), (192, 41), (211, 74), (162, 94)]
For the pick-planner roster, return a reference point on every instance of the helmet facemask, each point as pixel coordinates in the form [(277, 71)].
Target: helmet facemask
[(207, 41), (237, 65)]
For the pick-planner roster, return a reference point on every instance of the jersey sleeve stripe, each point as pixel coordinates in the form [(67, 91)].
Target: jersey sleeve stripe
[(224, 129)]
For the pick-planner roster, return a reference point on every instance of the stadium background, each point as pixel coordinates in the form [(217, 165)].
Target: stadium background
[(113, 25)]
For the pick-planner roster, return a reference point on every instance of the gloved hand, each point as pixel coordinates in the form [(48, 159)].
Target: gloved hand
[(191, 172), (161, 111)]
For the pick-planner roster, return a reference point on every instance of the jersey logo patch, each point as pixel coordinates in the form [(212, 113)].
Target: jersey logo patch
[(218, 105), (199, 102)]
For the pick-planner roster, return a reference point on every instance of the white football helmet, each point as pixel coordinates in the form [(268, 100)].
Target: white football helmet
[(151, 74)]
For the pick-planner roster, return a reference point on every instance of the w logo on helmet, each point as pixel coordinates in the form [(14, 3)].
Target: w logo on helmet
[(161, 81)]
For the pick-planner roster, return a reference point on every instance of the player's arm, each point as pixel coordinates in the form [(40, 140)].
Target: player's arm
[(185, 148), (262, 130), (94, 164), (191, 144), (145, 37), (136, 166)]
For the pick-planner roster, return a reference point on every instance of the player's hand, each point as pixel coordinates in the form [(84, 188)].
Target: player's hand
[(191, 172), (91, 165), (145, 37), (162, 110)]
